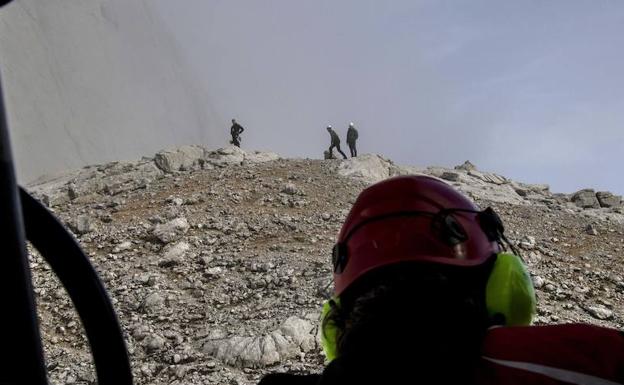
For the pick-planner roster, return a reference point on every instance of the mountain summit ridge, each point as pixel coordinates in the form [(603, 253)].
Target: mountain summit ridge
[(218, 261)]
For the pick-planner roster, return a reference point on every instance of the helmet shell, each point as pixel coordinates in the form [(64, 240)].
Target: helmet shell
[(380, 231)]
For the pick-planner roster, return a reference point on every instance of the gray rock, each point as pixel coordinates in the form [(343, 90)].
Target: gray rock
[(488, 177), (293, 337), (450, 176), (251, 355), (591, 230), (538, 282), (172, 230), (123, 246), (289, 189), (214, 272), (70, 379), (549, 287), (183, 158), (466, 166), (55, 198), (217, 334), (140, 332), (586, 198), (106, 218), (226, 349), (370, 168), (175, 201), (225, 156), (53, 190), (153, 343), (477, 185), (600, 312), (528, 242), (542, 189), (82, 225), (173, 254), (153, 301), (300, 331), (608, 199), (531, 190), (561, 197), (270, 354), (284, 346)]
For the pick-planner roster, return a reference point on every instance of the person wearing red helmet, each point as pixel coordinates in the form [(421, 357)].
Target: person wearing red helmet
[(427, 292)]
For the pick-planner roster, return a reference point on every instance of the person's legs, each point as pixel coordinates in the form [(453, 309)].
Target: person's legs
[(352, 149), (340, 151), (331, 151)]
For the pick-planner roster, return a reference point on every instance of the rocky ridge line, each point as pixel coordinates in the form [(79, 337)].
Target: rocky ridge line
[(218, 266)]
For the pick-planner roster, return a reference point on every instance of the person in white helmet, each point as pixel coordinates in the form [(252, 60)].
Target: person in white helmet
[(352, 136), (335, 142)]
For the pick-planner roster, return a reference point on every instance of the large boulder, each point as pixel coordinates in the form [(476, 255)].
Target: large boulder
[(370, 168), (225, 156), (608, 199), (182, 158), (53, 190), (488, 177), (531, 191), (476, 184), (293, 337), (586, 199), (109, 179), (135, 176), (55, 197)]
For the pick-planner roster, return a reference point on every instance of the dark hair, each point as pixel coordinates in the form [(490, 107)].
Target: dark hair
[(416, 317)]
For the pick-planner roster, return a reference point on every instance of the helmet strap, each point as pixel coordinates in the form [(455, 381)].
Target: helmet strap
[(340, 257)]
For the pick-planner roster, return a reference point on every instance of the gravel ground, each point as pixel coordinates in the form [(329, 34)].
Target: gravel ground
[(218, 272)]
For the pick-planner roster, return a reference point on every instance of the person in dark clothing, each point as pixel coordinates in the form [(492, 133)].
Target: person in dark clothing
[(352, 136), (335, 142), (425, 292), (235, 131)]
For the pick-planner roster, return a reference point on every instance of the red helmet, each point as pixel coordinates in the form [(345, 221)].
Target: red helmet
[(412, 218)]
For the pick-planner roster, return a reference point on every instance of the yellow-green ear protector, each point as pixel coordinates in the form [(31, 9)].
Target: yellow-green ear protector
[(329, 331), (509, 293)]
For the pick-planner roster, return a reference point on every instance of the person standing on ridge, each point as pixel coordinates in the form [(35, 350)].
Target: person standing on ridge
[(429, 290), (352, 136), (235, 131), (335, 142)]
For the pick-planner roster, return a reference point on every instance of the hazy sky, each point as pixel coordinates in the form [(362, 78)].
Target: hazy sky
[(533, 90)]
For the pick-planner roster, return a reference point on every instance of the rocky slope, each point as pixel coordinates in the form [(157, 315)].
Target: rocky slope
[(218, 261)]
